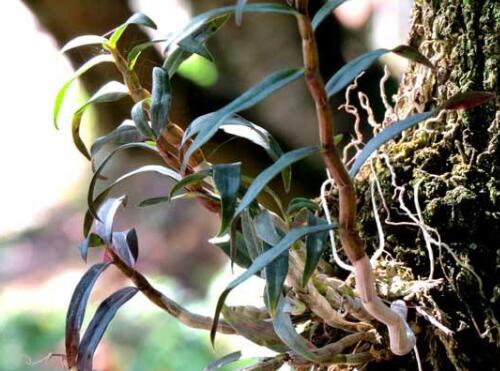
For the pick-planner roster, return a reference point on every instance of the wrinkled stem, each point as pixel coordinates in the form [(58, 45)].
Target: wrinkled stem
[(402, 339)]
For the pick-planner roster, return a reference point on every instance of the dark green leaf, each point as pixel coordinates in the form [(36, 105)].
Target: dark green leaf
[(276, 273), (136, 51), (261, 262), (137, 19), (154, 201), (242, 258), (266, 229), (227, 359), (240, 127), (284, 328), (99, 324), (192, 46), (201, 35), (203, 18), (76, 310), (467, 100), (125, 133), (253, 244), (328, 7), (384, 136), (110, 92), (315, 246), (207, 128), (160, 100), (141, 120), (83, 41), (351, 70), (126, 246), (227, 180), (106, 217), (92, 240), (265, 176), (190, 179), (61, 94), (298, 203), (247, 181)]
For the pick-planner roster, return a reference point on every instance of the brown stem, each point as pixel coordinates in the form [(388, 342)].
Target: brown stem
[(174, 309)]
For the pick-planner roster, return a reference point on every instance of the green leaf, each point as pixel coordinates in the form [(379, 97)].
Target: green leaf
[(137, 19), (227, 359), (227, 179), (298, 203), (83, 41), (240, 127), (188, 180), (315, 246), (208, 127), (110, 92), (76, 311), (89, 216), (201, 19), (247, 181), (162, 170), (261, 262), (99, 324), (137, 50), (269, 173), (92, 240), (61, 94), (276, 273), (126, 245), (106, 217), (384, 136), (266, 229), (201, 35), (253, 244), (284, 328), (241, 258), (125, 133), (351, 70), (328, 7), (161, 97), (140, 119), (467, 100), (193, 46)]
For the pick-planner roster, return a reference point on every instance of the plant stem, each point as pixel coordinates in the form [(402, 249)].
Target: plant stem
[(402, 339)]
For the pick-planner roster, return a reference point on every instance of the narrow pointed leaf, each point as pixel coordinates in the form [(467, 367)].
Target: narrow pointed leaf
[(252, 96), (188, 180), (125, 133), (92, 240), (110, 92), (227, 179), (253, 244), (325, 11), (76, 311), (298, 203), (384, 136), (140, 119), (137, 19), (99, 324), (125, 244), (351, 70), (261, 262), (106, 217), (162, 170), (160, 100), (241, 258), (227, 359), (265, 176), (61, 94), (467, 100), (201, 19), (240, 127), (201, 35), (266, 229), (276, 273), (193, 46), (137, 50), (154, 201), (315, 246), (83, 41), (284, 328)]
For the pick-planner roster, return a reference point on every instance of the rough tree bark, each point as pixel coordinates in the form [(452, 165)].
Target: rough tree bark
[(453, 164)]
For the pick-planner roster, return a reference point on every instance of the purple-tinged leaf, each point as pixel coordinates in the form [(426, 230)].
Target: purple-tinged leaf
[(126, 245), (76, 311), (92, 240), (99, 324), (106, 217), (467, 100)]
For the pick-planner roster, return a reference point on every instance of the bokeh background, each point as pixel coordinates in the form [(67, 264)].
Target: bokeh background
[(43, 179)]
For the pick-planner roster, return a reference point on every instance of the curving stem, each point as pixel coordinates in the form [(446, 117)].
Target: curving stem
[(402, 339)]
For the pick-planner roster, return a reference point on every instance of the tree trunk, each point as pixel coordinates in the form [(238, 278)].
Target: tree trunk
[(453, 163)]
